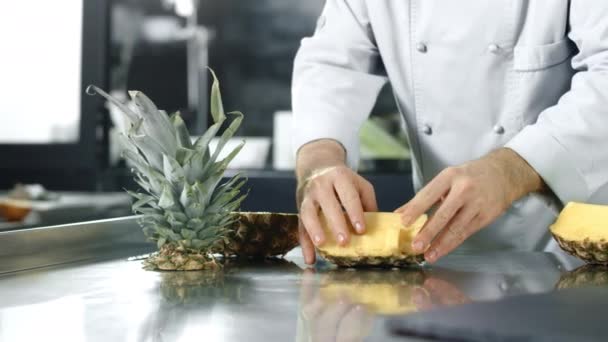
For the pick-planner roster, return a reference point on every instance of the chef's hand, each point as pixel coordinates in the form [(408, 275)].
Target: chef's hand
[(330, 320), (467, 198), (326, 183)]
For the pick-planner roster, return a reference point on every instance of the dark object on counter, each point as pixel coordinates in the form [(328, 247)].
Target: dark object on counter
[(568, 315)]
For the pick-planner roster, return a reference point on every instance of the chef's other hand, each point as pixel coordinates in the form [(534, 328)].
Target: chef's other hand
[(436, 293), (326, 184), (467, 198)]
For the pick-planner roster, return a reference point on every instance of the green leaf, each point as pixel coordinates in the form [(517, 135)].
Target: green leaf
[(156, 124), (183, 136), (161, 242), (217, 107), (183, 155), (188, 234), (152, 151), (194, 168), (195, 224), (129, 114), (205, 190), (173, 171), (186, 196), (194, 210), (224, 162), (168, 234), (202, 143), (167, 200), (228, 133)]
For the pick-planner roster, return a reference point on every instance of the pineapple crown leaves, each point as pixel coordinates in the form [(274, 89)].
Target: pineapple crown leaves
[(183, 202)]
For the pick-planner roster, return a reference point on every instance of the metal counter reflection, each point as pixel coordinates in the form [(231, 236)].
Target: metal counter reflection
[(584, 276), (344, 304), (251, 301), (341, 305)]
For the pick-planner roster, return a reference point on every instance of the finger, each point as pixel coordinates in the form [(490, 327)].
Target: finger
[(368, 195), (355, 325), (309, 215), (349, 197), (438, 222), (330, 318), (308, 285), (335, 217), (446, 293), (425, 198), (422, 299), (308, 249), (457, 230)]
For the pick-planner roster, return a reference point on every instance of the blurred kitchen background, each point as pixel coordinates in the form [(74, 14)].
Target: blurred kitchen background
[(60, 160)]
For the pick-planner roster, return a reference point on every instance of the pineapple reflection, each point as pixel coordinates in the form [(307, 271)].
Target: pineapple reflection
[(584, 276), (200, 300), (341, 305)]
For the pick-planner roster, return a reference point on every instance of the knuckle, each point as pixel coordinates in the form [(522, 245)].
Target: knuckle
[(450, 172), (466, 185), (341, 171), (457, 233)]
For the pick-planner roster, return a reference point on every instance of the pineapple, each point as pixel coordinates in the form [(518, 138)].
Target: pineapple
[(584, 276), (385, 243), (184, 208), (582, 230)]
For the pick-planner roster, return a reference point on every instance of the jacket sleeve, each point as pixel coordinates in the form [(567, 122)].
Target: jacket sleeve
[(336, 78), (568, 145)]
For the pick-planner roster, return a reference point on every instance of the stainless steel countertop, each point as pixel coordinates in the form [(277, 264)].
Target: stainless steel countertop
[(116, 300)]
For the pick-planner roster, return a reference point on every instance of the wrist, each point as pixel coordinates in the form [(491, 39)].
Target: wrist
[(520, 178), (317, 155)]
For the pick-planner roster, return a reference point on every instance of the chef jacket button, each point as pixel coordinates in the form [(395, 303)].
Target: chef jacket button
[(427, 129), (421, 47), (493, 48), (498, 129)]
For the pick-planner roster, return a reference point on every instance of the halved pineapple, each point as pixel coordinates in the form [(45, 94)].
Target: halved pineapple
[(582, 230), (386, 242)]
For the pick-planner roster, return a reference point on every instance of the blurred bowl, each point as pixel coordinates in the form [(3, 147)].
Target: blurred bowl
[(14, 210)]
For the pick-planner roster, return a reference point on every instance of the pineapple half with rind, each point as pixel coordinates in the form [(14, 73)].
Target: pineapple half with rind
[(386, 243), (582, 230), (185, 208)]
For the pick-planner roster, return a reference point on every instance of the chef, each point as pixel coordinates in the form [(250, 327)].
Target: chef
[(505, 104)]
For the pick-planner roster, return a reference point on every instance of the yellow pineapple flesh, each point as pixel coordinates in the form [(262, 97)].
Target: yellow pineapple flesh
[(386, 242), (381, 293), (582, 230)]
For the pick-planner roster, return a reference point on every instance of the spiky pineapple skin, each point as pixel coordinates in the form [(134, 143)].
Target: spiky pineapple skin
[(592, 252), (261, 235), (384, 262), (172, 257), (584, 276), (253, 235)]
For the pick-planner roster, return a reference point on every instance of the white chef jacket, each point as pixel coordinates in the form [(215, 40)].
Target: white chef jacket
[(469, 76)]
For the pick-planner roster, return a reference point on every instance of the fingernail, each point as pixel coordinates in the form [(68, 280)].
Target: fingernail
[(418, 246), (317, 239), (358, 227), (432, 255), (341, 238)]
